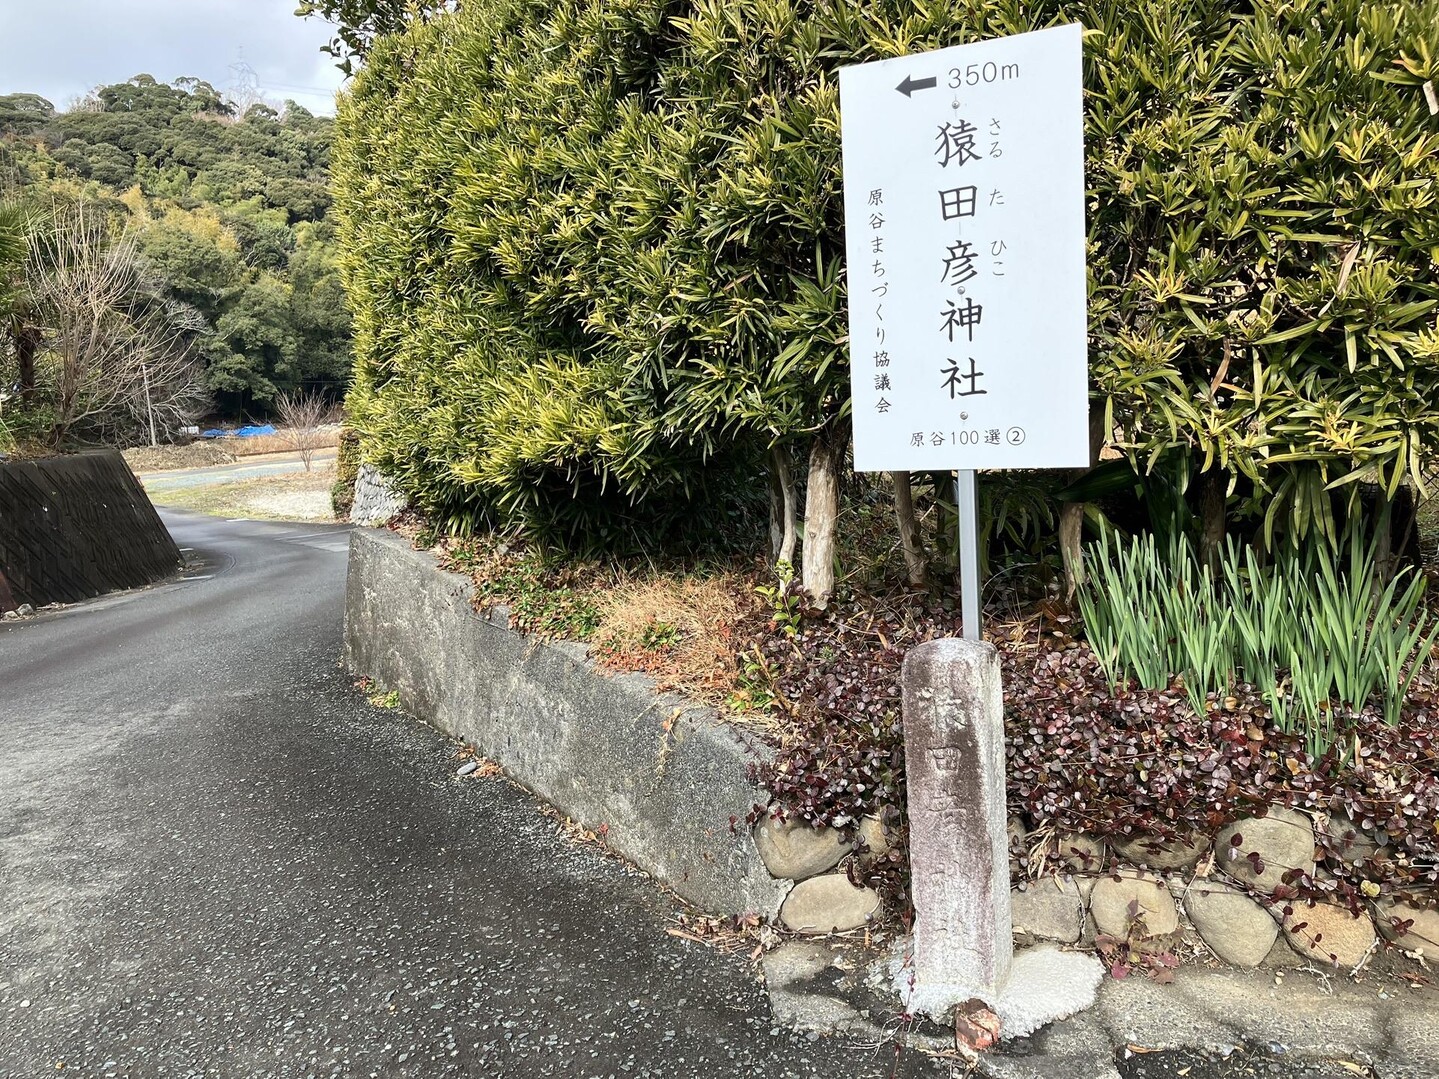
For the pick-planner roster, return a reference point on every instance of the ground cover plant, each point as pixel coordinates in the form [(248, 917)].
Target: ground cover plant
[(676, 622), (1315, 626), (1084, 756)]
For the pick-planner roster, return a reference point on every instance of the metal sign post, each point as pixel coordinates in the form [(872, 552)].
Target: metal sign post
[(964, 231), (966, 502)]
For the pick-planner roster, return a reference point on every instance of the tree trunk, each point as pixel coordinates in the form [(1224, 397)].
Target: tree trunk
[(27, 343), (1383, 542), (909, 538), (783, 506), (821, 517), (1071, 546), (1071, 515), (1211, 518), (776, 516)]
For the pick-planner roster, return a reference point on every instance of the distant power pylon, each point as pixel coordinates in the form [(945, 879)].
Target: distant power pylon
[(244, 85)]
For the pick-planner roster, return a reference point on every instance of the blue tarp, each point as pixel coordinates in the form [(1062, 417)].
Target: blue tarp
[(252, 431)]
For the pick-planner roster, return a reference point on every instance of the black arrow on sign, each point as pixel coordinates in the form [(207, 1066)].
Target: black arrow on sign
[(910, 85)]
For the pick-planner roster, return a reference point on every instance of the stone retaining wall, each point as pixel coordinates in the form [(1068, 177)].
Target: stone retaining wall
[(664, 780), (376, 499), (1148, 894)]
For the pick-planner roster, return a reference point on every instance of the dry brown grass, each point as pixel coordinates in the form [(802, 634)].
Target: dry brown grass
[(683, 629), (680, 631), (164, 458), (276, 443)]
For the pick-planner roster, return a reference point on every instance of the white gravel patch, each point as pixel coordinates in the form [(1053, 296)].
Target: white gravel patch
[(294, 505)]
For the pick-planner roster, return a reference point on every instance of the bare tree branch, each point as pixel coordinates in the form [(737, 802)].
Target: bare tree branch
[(113, 332), (301, 417)]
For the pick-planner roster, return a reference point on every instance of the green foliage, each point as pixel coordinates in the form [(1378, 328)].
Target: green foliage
[(592, 245), (229, 212), (254, 338), (754, 685), (14, 225), (785, 598), (1016, 522), (382, 698), (596, 320), (358, 22), (1311, 629), (24, 114), (347, 470), (541, 600), (1157, 495), (1264, 272)]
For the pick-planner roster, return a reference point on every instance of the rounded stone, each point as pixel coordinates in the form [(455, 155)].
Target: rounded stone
[(1284, 840), (795, 849), (1237, 929), (875, 837), (1282, 956), (1346, 839), (1329, 934), (1135, 906), (1421, 935), (1164, 854), (1050, 908), (828, 904), (1078, 852)]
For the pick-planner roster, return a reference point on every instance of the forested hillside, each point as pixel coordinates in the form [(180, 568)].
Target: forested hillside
[(223, 216)]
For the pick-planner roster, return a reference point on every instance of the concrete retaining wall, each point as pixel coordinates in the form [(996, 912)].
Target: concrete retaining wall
[(77, 526), (594, 746)]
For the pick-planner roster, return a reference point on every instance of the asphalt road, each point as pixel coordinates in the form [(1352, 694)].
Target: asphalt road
[(243, 469), (217, 859)]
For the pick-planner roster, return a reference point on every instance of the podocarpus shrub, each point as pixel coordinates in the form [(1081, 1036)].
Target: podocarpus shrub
[(593, 246), (347, 470)]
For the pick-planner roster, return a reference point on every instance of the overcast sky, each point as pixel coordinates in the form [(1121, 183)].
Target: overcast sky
[(62, 48)]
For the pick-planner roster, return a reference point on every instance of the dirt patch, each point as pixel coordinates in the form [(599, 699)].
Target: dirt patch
[(676, 624), (291, 496), (164, 458)]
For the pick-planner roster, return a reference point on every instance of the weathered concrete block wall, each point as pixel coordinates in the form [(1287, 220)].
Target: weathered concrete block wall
[(594, 746), (77, 526)]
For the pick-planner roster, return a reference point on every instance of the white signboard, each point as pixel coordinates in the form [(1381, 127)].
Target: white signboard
[(964, 224)]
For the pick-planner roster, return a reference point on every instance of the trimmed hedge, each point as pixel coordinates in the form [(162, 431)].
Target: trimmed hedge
[(347, 470), (593, 247)]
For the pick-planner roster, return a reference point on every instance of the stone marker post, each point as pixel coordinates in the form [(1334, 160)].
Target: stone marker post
[(958, 840)]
